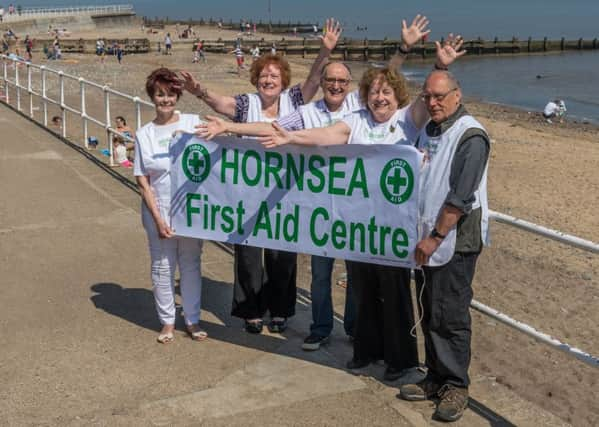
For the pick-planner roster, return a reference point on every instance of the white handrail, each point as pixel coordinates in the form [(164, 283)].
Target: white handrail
[(64, 103), (138, 103), (43, 12)]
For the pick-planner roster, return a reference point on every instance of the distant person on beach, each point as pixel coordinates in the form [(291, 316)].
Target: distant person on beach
[(198, 52), (118, 53), (122, 146), (101, 49), (273, 48), (255, 51), (152, 172), (56, 122), (239, 58), (1, 14), (454, 223), (271, 75), (28, 47), (555, 109), (168, 44), (5, 45)]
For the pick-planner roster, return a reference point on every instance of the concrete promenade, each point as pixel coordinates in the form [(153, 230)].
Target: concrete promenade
[(78, 323)]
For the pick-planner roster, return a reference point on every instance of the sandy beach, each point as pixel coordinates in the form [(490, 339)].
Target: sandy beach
[(544, 173)]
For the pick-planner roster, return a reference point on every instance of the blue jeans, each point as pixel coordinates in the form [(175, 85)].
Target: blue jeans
[(322, 303)]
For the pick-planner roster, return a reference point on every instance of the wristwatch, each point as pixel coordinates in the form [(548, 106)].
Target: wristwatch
[(434, 234)]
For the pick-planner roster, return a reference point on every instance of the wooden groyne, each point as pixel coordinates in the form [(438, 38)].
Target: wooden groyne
[(347, 49), (367, 50)]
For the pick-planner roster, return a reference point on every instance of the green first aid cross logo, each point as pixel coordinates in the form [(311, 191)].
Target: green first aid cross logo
[(397, 181), (196, 162)]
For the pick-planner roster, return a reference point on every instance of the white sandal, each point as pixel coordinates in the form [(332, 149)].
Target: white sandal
[(198, 335), (167, 338)]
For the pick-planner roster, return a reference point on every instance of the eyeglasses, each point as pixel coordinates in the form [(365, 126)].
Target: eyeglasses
[(330, 81), (427, 97)]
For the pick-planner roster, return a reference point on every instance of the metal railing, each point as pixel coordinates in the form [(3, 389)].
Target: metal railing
[(105, 122), (22, 82), (44, 12)]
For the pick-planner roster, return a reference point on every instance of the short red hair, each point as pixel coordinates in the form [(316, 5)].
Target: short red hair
[(165, 78), (281, 63)]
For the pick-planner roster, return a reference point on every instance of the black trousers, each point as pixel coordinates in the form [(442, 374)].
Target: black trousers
[(447, 323), (258, 289), (385, 314)]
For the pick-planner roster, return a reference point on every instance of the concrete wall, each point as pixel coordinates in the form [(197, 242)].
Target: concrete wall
[(72, 23)]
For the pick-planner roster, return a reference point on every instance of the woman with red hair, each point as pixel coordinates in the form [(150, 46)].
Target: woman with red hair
[(152, 172), (272, 288)]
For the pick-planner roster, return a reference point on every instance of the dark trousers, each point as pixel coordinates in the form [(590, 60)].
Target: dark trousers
[(322, 301), (258, 289), (385, 314), (446, 323)]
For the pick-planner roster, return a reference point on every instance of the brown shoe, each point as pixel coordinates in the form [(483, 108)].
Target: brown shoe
[(423, 390), (452, 403)]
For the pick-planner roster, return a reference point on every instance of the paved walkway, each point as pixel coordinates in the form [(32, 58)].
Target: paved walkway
[(79, 327)]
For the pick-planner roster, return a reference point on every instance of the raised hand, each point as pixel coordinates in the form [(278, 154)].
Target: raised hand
[(278, 137), (189, 83), (449, 51), (332, 33), (417, 29), (214, 126)]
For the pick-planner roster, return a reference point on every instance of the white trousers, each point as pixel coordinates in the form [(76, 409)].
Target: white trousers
[(165, 254)]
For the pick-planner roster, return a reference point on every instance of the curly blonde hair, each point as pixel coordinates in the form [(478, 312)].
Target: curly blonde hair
[(395, 80), (278, 61)]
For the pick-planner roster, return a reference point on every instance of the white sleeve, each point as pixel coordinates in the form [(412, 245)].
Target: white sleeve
[(138, 165)]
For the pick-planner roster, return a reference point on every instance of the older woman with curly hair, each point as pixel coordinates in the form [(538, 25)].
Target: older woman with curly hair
[(271, 288), (152, 172)]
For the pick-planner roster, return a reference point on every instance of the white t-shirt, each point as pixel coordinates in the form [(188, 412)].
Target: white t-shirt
[(399, 129), (554, 108), (151, 154), (120, 153)]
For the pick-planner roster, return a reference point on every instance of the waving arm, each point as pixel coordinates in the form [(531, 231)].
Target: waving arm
[(221, 104), (329, 41)]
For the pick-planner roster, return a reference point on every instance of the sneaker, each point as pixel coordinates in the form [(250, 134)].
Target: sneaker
[(423, 390), (313, 342), (548, 120), (452, 403)]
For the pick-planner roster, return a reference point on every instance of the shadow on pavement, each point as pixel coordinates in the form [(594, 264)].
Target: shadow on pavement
[(494, 419), (136, 305)]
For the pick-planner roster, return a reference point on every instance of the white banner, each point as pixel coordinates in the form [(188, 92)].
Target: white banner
[(355, 202)]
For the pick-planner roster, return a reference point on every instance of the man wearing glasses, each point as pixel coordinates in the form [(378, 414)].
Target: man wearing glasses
[(454, 219)]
